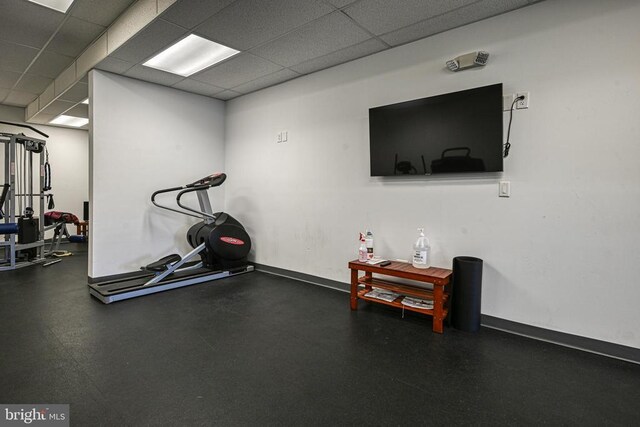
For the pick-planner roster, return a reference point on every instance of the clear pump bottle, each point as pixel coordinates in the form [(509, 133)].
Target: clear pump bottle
[(421, 251)]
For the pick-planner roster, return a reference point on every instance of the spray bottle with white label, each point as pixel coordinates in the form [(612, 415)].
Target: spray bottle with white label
[(421, 251)]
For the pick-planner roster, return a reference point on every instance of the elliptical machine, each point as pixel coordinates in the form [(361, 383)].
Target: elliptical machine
[(219, 241)]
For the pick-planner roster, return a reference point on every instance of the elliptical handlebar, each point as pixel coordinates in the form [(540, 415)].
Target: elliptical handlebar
[(213, 180)]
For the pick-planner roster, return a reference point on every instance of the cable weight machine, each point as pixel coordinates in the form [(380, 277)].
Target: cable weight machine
[(21, 231)]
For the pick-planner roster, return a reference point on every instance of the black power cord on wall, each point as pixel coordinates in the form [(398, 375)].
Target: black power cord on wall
[(507, 145)]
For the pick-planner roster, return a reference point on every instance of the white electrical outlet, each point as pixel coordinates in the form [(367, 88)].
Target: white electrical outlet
[(507, 100), (504, 188), (285, 136), (279, 137), (523, 103)]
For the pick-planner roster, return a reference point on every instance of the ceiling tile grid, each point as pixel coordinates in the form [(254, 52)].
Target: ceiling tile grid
[(328, 34), (50, 64), (154, 38), (101, 12), (200, 88), (114, 65), (266, 81), (16, 57), (19, 98), (152, 75), (453, 19), (8, 79), (33, 83), (383, 16), (190, 13), (279, 40), (237, 70), (228, 94), (350, 53), (248, 23), (41, 22), (74, 36)]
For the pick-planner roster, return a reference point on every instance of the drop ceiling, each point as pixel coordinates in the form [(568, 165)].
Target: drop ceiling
[(279, 40)]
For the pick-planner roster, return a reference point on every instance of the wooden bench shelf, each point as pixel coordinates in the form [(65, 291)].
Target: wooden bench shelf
[(438, 277)]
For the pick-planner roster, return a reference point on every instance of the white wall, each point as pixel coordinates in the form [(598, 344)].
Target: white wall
[(69, 159), (145, 137), (562, 253)]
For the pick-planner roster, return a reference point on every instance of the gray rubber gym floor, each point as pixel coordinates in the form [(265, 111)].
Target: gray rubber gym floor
[(264, 350)]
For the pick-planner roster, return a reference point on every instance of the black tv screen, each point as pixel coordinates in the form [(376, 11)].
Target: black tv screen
[(456, 132)]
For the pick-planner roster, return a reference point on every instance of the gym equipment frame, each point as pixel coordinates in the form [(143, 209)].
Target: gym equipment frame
[(17, 198)]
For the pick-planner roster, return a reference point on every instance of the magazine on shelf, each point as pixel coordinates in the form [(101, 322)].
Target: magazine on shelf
[(382, 294), (417, 303)]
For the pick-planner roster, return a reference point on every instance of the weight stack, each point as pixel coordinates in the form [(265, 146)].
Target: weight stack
[(467, 293)]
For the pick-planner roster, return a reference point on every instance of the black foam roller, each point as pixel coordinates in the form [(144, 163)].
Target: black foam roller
[(467, 293)]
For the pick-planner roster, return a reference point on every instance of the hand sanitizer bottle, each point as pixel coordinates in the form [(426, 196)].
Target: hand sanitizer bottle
[(421, 251), (362, 252)]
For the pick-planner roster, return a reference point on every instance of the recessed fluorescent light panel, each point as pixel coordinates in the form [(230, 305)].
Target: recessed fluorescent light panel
[(59, 5), (190, 55), (76, 122)]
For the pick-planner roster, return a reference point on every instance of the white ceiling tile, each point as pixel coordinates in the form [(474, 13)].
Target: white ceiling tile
[(248, 23), (99, 12), (50, 64), (341, 56), (8, 79), (321, 37), (114, 65), (155, 37), (42, 22), (383, 16), (195, 86), (77, 93), (15, 57), (453, 19), (227, 94), (33, 83), (74, 37), (189, 13), (152, 75), (20, 98), (266, 81), (239, 69), (80, 110), (57, 107)]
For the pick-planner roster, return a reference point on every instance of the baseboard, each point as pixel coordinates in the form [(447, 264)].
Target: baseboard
[(616, 351), (604, 348), (314, 280)]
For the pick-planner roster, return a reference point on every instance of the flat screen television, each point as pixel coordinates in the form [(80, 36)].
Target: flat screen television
[(457, 132)]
